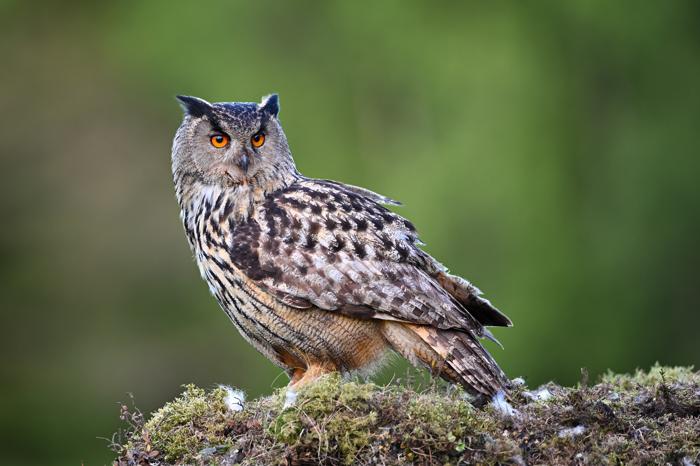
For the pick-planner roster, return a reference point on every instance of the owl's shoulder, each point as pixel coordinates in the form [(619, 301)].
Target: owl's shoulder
[(339, 222), (325, 197), (337, 207)]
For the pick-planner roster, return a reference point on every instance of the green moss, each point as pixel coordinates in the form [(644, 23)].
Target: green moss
[(650, 417), (332, 417), (187, 425), (653, 377), (436, 424)]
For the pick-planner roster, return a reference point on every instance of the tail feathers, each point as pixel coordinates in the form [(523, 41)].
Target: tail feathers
[(469, 296), (456, 356), (476, 370)]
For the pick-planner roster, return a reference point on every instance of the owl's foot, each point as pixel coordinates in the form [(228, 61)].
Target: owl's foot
[(303, 377)]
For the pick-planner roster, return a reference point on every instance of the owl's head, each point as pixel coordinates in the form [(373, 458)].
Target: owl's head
[(231, 143)]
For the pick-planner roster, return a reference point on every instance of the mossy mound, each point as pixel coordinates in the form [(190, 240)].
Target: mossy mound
[(647, 418)]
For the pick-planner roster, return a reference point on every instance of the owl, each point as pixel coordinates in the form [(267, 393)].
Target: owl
[(317, 275)]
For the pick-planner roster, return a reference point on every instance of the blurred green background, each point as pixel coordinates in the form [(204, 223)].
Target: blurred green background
[(548, 151)]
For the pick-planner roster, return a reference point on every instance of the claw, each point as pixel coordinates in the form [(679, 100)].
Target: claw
[(487, 333)]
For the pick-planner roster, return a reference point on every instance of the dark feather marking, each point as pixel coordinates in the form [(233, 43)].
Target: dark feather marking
[(228, 208), (245, 255), (338, 197), (386, 241), (267, 245), (310, 243), (293, 202), (198, 221), (257, 323), (359, 249), (271, 271), (272, 208), (207, 209), (257, 304), (314, 228), (377, 222), (271, 226), (331, 224), (296, 224), (357, 311), (215, 123), (214, 241), (216, 227), (223, 265), (272, 211), (403, 252), (313, 193), (284, 218), (337, 245), (219, 200), (388, 217)]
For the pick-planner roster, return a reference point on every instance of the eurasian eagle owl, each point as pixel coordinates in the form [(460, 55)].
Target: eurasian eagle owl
[(318, 275)]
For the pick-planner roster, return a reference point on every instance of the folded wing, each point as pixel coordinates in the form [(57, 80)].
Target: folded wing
[(323, 244)]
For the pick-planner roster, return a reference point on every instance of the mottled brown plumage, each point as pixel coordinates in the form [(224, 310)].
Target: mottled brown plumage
[(319, 276)]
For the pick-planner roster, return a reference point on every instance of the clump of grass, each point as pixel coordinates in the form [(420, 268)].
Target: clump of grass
[(648, 417)]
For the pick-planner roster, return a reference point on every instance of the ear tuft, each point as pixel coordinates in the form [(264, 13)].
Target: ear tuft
[(194, 106), (270, 105)]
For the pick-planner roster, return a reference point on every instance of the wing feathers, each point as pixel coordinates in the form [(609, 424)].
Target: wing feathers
[(319, 243), (469, 296)]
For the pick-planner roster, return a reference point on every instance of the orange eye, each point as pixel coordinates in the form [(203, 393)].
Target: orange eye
[(219, 140), (257, 140)]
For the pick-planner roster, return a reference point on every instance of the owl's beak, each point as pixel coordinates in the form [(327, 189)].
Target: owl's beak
[(243, 162), (239, 156)]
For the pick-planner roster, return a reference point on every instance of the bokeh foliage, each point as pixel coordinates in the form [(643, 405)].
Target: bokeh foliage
[(546, 150)]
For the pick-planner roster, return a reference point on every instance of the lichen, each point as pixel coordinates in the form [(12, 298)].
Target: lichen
[(649, 417)]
